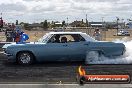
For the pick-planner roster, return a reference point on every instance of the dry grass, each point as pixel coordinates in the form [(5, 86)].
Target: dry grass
[(110, 35), (35, 35), (106, 35), (2, 36)]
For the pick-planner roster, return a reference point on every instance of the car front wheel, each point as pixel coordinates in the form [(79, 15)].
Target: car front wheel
[(25, 58)]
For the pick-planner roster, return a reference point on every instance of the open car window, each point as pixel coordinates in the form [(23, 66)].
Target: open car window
[(66, 38), (78, 38)]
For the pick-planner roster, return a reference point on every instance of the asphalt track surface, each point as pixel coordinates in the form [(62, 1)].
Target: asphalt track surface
[(53, 72)]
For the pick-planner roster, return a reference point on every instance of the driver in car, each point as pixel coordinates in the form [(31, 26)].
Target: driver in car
[(57, 39)]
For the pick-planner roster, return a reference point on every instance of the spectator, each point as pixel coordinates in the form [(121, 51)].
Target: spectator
[(97, 34), (17, 36), (1, 23), (9, 35), (24, 37)]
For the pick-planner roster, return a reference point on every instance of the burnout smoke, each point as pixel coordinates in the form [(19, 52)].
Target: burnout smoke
[(124, 59)]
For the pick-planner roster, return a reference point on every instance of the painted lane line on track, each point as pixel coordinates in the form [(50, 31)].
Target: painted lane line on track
[(65, 86)]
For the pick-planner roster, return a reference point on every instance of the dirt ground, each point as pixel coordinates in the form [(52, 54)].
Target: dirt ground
[(106, 35)]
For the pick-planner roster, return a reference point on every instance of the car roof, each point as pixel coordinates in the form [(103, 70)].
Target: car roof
[(66, 33), (84, 35)]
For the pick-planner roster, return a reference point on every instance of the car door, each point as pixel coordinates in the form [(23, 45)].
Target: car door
[(77, 50), (76, 47), (55, 52)]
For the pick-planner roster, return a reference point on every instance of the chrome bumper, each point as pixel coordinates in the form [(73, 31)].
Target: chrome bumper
[(7, 54), (10, 57)]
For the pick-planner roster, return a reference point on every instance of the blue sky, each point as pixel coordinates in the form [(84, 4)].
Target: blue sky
[(39, 10)]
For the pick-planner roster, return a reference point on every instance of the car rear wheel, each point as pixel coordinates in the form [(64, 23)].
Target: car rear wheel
[(92, 57), (25, 58)]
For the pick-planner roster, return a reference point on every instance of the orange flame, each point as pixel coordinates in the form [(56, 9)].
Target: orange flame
[(81, 71)]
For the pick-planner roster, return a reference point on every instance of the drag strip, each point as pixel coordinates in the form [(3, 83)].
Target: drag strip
[(53, 72), (65, 86)]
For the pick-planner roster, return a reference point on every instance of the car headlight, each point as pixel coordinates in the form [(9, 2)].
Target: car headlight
[(4, 50)]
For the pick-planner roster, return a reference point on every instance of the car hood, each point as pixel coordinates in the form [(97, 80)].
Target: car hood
[(14, 43)]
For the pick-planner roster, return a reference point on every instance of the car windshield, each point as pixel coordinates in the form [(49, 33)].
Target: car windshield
[(88, 38), (45, 38)]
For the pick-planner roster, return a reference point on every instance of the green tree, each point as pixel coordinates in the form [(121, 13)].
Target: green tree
[(16, 22), (25, 25), (45, 25), (49, 25), (63, 23), (52, 25)]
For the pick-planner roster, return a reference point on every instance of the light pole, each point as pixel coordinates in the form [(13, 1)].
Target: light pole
[(102, 22), (87, 30), (117, 24), (103, 30), (123, 26), (67, 21), (86, 21)]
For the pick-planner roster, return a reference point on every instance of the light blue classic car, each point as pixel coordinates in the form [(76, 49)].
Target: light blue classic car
[(61, 46)]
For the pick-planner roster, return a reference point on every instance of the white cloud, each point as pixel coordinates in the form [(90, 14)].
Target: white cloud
[(61, 8), (12, 7)]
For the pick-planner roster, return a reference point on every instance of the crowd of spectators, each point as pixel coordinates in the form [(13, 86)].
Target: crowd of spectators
[(15, 34)]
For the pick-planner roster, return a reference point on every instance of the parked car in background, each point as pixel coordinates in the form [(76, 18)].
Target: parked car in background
[(123, 33), (61, 46)]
